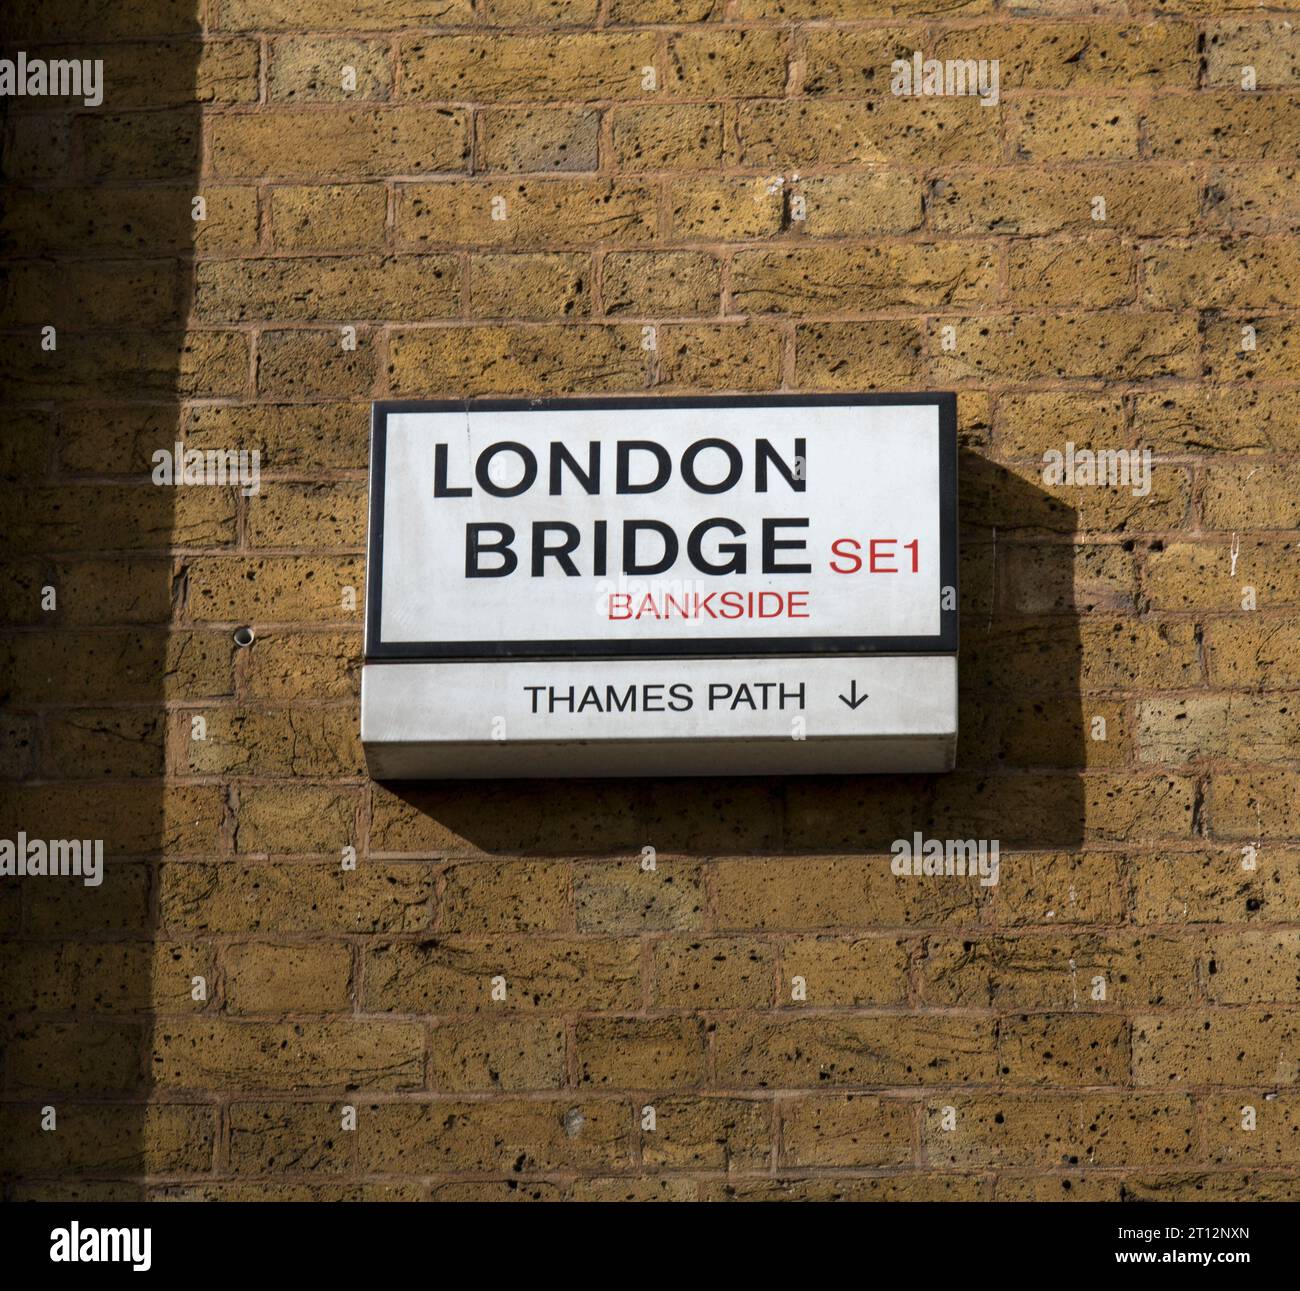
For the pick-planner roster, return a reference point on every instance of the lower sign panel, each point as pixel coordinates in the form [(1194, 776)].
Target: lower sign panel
[(810, 715)]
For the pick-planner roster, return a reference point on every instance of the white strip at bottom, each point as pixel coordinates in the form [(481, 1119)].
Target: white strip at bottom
[(627, 717)]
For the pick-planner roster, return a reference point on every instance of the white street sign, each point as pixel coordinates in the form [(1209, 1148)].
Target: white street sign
[(792, 546)]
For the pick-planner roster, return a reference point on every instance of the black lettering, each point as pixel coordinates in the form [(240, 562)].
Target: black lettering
[(734, 465), (475, 547), (589, 479), (440, 489), (663, 473), (796, 477), (483, 468), (630, 563), (736, 550), (771, 545), (624, 703), (560, 553)]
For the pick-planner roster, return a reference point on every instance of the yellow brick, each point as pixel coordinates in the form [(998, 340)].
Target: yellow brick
[(846, 62), (1029, 423), (455, 975), (850, 205), (617, 895), (1229, 1047), (1261, 653), (709, 1134), (273, 1055), (1064, 1049), (1273, 1136), (274, 589), (308, 362), (1101, 347), (483, 360), (865, 356), (1232, 125), (1270, 49), (641, 1053), (831, 892), (1228, 275), (1253, 805), (664, 283), (295, 819), (129, 221), (1037, 578), (713, 973), (1254, 199), (349, 289), (1079, 55), (1213, 886), (284, 743), (293, 665), (540, 285), (1054, 888), (1253, 968), (843, 971), (236, 896), (710, 64), (1273, 353), (1023, 200), (498, 1054), (786, 135), (305, 69), (802, 1053), (1217, 419), (265, 977), (499, 68), (417, 1138), (525, 140), (1074, 130), (532, 213), (132, 365), (790, 10), (1088, 275), (726, 357), (349, 143), (510, 896), (551, 12), (829, 279), (1239, 498), (362, 15), (681, 137), (329, 217), (1096, 1130), (716, 209), (1036, 971), (1030, 733), (847, 1130), (1188, 575)]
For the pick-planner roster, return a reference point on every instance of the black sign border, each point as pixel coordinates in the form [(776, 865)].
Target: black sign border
[(944, 642)]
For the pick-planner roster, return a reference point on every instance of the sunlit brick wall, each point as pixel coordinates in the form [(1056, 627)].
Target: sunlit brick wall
[(445, 198)]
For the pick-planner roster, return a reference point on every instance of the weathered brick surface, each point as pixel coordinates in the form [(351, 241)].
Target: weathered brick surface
[(444, 198)]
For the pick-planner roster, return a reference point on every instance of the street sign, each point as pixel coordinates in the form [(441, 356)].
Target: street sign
[(662, 586)]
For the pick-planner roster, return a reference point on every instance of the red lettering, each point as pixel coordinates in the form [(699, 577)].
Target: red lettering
[(847, 543), (883, 569)]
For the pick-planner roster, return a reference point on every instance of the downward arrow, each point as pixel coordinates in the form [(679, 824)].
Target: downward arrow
[(853, 699)]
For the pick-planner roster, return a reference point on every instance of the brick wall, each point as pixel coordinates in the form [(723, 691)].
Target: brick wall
[(503, 204)]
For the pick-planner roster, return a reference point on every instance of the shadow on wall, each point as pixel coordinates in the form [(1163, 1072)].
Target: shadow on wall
[(96, 236), (1025, 736)]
